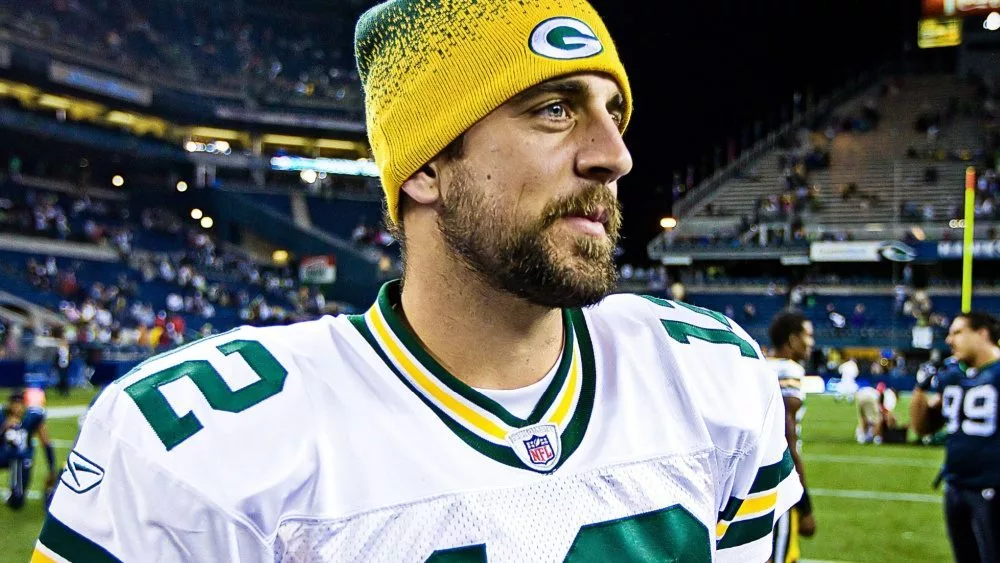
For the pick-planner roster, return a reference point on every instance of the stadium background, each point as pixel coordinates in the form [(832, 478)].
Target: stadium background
[(174, 168)]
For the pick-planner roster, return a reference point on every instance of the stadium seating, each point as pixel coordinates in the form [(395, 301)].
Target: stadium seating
[(145, 241), (271, 53), (340, 217), (876, 160)]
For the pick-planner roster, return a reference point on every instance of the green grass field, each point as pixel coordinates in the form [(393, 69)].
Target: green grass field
[(19, 529), (872, 503)]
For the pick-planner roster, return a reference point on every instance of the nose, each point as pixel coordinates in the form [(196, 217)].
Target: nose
[(603, 156)]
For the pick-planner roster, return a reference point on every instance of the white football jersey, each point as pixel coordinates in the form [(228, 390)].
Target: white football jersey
[(660, 437), (790, 376)]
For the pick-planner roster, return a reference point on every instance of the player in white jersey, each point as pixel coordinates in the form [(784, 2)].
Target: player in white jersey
[(494, 405), (848, 384), (791, 336)]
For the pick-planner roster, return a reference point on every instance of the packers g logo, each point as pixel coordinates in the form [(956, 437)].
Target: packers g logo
[(565, 38)]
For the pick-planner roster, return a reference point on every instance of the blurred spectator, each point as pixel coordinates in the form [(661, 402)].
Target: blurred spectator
[(837, 321), (261, 54), (858, 318)]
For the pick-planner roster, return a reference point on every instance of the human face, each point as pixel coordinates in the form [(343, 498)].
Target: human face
[(531, 205), (803, 342), (965, 342)]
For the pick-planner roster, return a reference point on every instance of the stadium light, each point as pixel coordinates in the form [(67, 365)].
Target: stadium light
[(308, 176), (196, 214), (117, 181), (182, 186), (668, 223), (207, 222), (992, 21)]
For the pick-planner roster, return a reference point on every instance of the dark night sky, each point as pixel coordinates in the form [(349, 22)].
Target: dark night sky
[(703, 70)]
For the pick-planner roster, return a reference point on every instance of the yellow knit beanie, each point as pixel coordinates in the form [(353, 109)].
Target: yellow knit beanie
[(433, 68)]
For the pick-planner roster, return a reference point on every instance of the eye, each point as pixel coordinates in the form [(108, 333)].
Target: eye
[(555, 110)]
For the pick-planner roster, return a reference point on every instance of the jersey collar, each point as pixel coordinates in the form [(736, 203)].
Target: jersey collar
[(481, 422)]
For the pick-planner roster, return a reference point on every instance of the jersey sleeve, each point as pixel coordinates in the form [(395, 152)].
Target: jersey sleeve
[(114, 503), (790, 377), (765, 486)]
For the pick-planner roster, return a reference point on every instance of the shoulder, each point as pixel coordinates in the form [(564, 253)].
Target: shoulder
[(221, 407), (993, 371), (289, 345), (950, 372), (786, 369), (698, 353), (650, 310), (674, 322)]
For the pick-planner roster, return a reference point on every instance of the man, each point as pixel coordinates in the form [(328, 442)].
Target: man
[(927, 381), (876, 419), (19, 425), (493, 406), (792, 338), (927, 371), (848, 385), (62, 360), (967, 408)]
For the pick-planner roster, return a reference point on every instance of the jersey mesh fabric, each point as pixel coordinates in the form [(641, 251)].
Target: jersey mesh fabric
[(508, 521)]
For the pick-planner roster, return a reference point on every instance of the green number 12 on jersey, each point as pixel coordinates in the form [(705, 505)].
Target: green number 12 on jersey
[(173, 429)]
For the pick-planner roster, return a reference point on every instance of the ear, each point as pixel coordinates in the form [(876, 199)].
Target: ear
[(424, 186)]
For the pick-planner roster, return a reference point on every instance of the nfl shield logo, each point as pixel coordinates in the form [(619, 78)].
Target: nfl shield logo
[(537, 446), (539, 450)]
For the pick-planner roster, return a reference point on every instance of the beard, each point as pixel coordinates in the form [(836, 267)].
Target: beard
[(531, 260)]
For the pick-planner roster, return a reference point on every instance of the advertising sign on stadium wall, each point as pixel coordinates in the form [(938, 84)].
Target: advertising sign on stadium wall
[(861, 251), (318, 270), (844, 251), (947, 8), (99, 83), (939, 32), (290, 119), (952, 250)]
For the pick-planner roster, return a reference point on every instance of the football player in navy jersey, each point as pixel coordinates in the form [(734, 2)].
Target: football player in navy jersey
[(19, 424), (967, 408)]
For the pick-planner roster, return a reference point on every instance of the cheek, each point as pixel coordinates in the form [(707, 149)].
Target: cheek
[(535, 171)]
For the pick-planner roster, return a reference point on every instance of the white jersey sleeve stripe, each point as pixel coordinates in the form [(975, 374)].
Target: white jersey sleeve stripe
[(747, 534), (61, 540), (43, 554), (760, 502)]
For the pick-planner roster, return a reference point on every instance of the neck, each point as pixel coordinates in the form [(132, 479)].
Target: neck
[(784, 354), (986, 356), (487, 338)]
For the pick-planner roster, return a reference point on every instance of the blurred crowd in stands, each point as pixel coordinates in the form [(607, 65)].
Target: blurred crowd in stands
[(858, 315), (61, 216), (779, 218), (153, 299), (268, 54), (988, 195)]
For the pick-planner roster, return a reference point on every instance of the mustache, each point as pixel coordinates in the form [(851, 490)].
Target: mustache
[(585, 203)]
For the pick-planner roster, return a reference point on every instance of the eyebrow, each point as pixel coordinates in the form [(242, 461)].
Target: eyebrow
[(572, 88)]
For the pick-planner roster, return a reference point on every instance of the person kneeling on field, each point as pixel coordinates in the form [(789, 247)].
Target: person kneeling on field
[(876, 421)]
